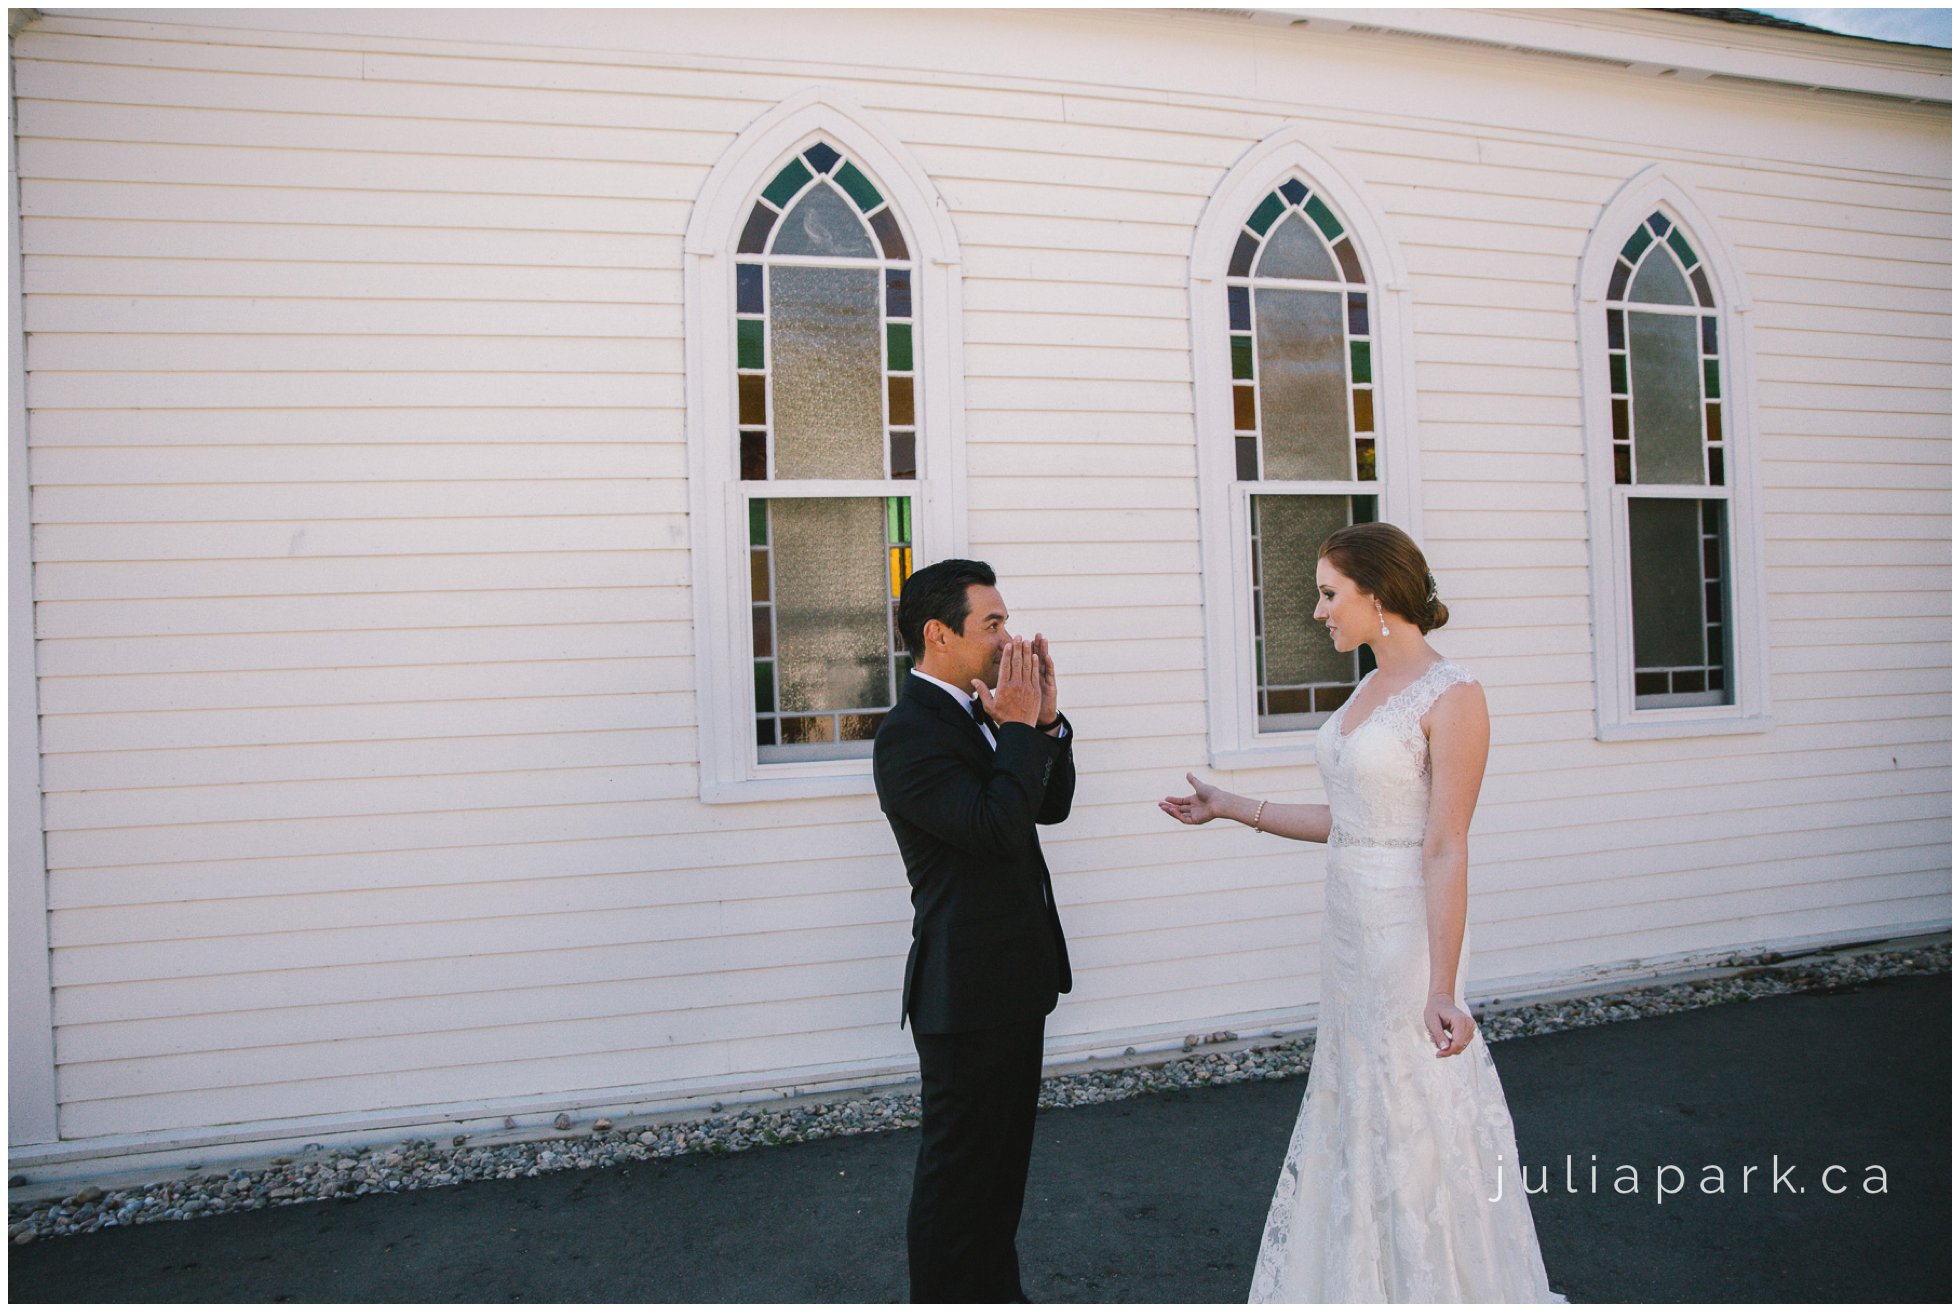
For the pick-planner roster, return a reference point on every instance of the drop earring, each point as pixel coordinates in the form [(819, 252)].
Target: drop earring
[(1383, 618)]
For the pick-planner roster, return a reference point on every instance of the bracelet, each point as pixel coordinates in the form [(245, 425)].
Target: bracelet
[(1044, 728), (1255, 818)]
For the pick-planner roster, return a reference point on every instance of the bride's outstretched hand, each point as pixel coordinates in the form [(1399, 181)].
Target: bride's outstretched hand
[(1450, 1027), (1200, 806)]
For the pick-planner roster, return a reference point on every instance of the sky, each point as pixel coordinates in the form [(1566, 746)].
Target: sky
[(1922, 27)]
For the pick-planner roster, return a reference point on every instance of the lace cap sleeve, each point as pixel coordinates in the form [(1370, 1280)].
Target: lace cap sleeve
[(1442, 676)]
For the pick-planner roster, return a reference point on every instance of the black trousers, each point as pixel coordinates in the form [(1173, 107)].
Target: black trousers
[(978, 1091)]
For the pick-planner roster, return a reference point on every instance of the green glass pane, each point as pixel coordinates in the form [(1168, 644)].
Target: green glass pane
[(1294, 252), (1268, 210), (1303, 392), (898, 345), (1637, 243), (1358, 356), (1687, 253), (1616, 364), (1664, 552), (787, 183), (859, 187), (905, 518), (1241, 357), (1291, 530), (1711, 376), (1666, 397), (1323, 217), (832, 603), (765, 687), (822, 224), (892, 533), (748, 343), (758, 525), (1660, 283), (827, 372)]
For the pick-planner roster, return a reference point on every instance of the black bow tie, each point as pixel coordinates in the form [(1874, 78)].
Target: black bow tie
[(980, 716)]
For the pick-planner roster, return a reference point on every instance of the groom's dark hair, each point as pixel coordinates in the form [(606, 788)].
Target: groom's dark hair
[(938, 592)]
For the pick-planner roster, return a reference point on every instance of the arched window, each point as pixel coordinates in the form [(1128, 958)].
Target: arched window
[(824, 456), (1678, 545), (1298, 436)]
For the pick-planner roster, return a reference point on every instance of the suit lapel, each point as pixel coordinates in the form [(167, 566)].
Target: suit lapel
[(941, 704)]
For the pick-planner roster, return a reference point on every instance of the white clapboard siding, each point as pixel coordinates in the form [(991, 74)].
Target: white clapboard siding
[(362, 589)]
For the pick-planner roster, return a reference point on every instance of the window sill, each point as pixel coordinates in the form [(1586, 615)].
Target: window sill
[(1265, 758), (858, 783), (1682, 727)]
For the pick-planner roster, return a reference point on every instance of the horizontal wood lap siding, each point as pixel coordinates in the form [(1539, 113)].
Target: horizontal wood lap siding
[(361, 546)]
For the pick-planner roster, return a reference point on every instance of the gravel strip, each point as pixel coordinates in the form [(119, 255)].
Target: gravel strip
[(423, 1163)]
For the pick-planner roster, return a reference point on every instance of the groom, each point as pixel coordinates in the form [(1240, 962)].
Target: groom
[(965, 771)]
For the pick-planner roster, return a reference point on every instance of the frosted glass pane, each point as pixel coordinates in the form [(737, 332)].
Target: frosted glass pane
[(1660, 283), (1293, 251), (1666, 358), (823, 223), (827, 382), (832, 613), (1291, 530), (1303, 391), (1664, 539)]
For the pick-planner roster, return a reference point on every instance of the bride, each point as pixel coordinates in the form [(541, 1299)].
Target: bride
[(1401, 1182)]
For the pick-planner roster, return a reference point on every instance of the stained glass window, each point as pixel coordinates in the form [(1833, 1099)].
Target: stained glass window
[(826, 389), (1664, 361), (824, 579), (1303, 411), (824, 328), (1664, 370)]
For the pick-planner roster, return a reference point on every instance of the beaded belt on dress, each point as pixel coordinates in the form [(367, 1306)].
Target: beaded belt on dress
[(1340, 837)]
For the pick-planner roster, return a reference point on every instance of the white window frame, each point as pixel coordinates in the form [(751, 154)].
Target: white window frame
[(717, 496), (1234, 740), (1616, 718)]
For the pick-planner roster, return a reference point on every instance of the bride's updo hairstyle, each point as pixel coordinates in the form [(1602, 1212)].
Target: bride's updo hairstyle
[(1385, 561)]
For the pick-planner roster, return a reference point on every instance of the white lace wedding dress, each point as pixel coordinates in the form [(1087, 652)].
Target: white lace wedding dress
[(1384, 1194)]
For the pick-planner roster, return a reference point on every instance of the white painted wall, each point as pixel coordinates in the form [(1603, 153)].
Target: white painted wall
[(360, 535)]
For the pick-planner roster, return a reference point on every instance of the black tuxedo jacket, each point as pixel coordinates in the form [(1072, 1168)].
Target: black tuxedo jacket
[(987, 946)]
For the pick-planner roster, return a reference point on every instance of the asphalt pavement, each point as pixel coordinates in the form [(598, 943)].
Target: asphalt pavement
[(1161, 1199)]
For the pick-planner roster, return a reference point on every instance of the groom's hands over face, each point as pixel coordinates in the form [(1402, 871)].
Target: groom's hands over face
[(1046, 666), (1018, 695)]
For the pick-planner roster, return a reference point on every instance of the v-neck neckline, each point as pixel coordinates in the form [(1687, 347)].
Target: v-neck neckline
[(1341, 730)]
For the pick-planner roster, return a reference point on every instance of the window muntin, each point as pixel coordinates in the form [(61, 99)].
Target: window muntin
[(1664, 369), (1304, 423), (825, 393)]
